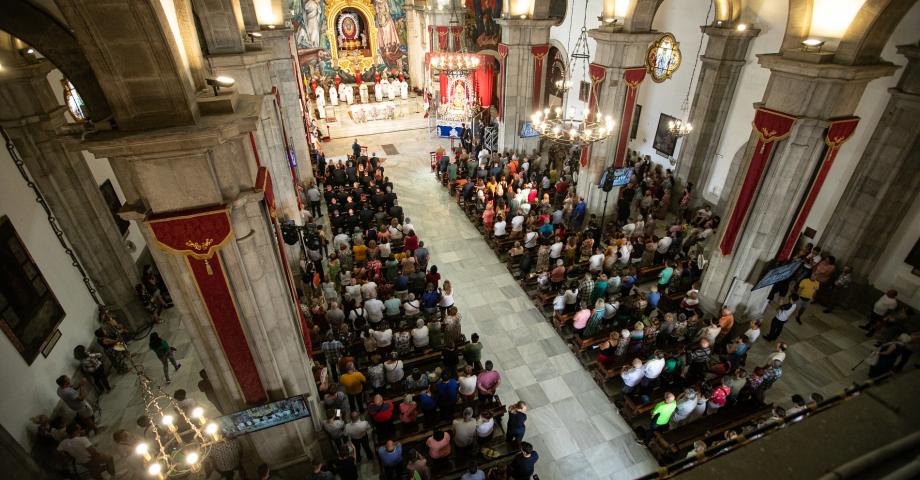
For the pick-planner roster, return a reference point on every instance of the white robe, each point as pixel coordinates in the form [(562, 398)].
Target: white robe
[(404, 90), (378, 92), (342, 88), (320, 94), (362, 90), (391, 91), (349, 95), (333, 97)]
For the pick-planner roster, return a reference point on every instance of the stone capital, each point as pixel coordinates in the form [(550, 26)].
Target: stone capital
[(779, 63), (605, 35), (733, 33)]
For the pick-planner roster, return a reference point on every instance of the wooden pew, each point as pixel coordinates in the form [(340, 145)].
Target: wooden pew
[(667, 445)]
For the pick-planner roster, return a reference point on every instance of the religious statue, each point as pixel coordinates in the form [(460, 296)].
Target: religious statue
[(309, 31), (380, 89), (362, 91), (387, 38), (349, 31), (333, 96), (403, 89)]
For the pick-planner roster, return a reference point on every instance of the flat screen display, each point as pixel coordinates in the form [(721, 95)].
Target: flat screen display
[(264, 416), (778, 274), (528, 131)]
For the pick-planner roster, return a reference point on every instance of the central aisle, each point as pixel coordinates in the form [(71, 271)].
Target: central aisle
[(571, 424)]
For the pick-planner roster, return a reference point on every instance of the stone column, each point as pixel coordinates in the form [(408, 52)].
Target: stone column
[(814, 93), (415, 34), (286, 78), (30, 114), (720, 69), (617, 51), (886, 180), (519, 36), (221, 25), (178, 172)]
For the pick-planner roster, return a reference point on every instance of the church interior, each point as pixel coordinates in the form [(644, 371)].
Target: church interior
[(623, 239)]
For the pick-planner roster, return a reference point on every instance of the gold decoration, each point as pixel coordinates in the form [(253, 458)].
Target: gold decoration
[(352, 59), (663, 58), (200, 246)]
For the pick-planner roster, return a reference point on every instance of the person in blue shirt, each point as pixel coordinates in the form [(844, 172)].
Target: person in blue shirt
[(653, 297), (474, 473), (401, 284), (391, 460), (578, 213), (517, 417), (546, 230), (627, 285), (428, 405), (447, 396), (430, 300), (522, 467)]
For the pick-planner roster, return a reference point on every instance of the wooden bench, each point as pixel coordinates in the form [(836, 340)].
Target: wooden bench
[(669, 444)]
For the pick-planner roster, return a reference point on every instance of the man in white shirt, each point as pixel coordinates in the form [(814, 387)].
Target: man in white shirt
[(530, 240), (559, 303), (420, 334), (517, 223), (374, 308), (369, 290), (483, 156), (357, 431), (500, 227), (653, 368), (779, 354), (782, 316), (81, 449), (596, 262), (629, 228), (341, 239), (632, 375), (662, 249), (886, 304), (555, 250), (383, 338)]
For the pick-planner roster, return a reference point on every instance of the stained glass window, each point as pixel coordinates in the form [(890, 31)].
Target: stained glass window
[(663, 58), (74, 101)]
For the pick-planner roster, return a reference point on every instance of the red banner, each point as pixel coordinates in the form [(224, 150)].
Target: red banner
[(198, 235), (442, 80), (457, 32), (442, 38), (539, 53), (632, 77), (484, 78), (598, 73), (770, 127), (837, 134), (264, 183), (502, 53)]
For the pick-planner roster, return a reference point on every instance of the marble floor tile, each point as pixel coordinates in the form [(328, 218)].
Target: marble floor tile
[(543, 419), (560, 443), (533, 395), (569, 410), (556, 389)]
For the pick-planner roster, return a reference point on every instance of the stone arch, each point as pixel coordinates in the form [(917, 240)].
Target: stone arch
[(798, 23), (870, 30), (55, 41), (641, 14)]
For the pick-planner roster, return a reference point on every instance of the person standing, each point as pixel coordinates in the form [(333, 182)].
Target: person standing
[(332, 350), (75, 399), (782, 316), (357, 430), (91, 364), (225, 458), (808, 288), (517, 419), (661, 416), (882, 307), (353, 382), (391, 460), (522, 466), (487, 382), (315, 198), (165, 353)]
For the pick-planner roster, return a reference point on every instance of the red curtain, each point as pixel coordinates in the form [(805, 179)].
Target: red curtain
[(443, 79), (502, 52), (598, 73), (633, 77), (198, 235), (539, 52), (838, 132), (483, 78), (442, 38), (769, 126)]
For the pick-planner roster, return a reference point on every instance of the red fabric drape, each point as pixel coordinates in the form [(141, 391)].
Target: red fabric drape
[(598, 74), (633, 77), (769, 127), (443, 89), (838, 132), (198, 235), (539, 53), (456, 31), (443, 38), (502, 53), (483, 77)]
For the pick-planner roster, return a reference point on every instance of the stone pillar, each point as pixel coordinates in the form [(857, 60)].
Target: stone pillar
[(286, 78), (205, 170), (812, 93), (30, 114), (617, 51), (518, 38), (885, 182), (720, 69), (415, 34), (221, 25)]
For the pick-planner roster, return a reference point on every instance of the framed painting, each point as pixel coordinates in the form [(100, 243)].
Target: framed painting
[(634, 130), (29, 311), (664, 143)]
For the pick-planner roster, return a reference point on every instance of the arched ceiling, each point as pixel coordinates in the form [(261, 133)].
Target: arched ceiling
[(46, 33), (870, 30)]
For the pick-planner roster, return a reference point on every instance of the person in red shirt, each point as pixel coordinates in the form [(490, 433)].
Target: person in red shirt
[(381, 412), (719, 396)]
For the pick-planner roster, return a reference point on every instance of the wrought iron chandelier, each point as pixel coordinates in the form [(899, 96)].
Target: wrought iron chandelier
[(566, 124), (182, 441), (682, 126), (455, 62)]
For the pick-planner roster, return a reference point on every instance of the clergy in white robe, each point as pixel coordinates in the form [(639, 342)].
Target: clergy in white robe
[(403, 90), (333, 97), (392, 90), (378, 92), (349, 95), (341, 89), (362, 90), (320, 94)]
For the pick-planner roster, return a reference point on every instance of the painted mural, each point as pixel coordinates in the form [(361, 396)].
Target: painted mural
[(350, 38), (481, 29)]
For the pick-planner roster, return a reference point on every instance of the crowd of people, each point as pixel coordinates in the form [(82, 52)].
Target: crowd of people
[(396, 364)]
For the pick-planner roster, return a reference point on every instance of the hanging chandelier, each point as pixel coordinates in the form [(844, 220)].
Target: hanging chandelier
[(567, 124), (182, 441), (682, 126), (454, 62)]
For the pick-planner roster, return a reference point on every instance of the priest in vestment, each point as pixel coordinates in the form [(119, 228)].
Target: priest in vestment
[(362, 91), (403, 90), (378, 92)]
